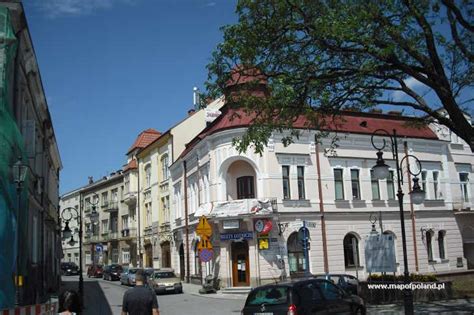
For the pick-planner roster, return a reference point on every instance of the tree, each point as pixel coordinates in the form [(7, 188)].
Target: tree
[(327, 56)]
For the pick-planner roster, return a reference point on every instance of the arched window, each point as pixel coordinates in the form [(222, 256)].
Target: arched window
[(296, 259), (441, 236), (351, 250), (429, 244)]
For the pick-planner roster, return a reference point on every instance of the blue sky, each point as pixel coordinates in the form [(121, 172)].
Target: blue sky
[(112, 68)]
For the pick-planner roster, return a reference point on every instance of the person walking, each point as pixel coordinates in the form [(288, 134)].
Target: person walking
[(69, 303), (140, 300)]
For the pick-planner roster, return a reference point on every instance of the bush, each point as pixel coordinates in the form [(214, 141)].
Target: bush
[(401, 278)]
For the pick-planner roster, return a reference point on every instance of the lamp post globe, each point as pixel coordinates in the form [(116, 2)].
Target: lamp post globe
[(417, 194), (67, 233), (380, 169)]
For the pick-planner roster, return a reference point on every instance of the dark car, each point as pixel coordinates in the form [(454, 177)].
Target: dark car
[(347, 282), (308, 296), (69, 269), (95, 271), (112, 272)]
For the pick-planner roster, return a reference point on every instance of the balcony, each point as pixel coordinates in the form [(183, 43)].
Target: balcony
[(113, 235), (111, 206), (148, 231), (128, 233), (104, 204), (130, 198), (94, 238)]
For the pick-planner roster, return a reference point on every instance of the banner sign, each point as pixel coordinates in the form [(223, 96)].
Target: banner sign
[(236, 236)]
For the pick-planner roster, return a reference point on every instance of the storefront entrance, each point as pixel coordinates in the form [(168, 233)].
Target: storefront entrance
[(240, 264)]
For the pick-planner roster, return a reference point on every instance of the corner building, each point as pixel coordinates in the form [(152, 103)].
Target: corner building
[(241, 194)]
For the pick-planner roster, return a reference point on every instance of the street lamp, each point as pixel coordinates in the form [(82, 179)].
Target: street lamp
[(381, 171), (19, 170), (67, 215)]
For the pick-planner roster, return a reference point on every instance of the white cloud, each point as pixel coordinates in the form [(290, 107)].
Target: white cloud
[(55, 8), (412, 83)]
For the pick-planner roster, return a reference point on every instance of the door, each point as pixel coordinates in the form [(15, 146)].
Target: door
[(240, 264), (245, 187)]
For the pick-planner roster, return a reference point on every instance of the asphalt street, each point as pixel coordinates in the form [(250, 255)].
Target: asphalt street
[(105, 298)]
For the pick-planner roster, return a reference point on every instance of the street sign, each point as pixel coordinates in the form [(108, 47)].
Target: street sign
[(98, 248), (204, 243), (204, 228), (206, 255)]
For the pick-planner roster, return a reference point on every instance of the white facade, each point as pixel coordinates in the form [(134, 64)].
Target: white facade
[(213, 167)]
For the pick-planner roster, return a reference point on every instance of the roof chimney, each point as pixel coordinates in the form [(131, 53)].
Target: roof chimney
[(196, 98), (91, 179), (191, 112)]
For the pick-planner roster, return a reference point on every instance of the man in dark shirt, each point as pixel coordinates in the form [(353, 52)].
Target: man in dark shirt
[(140, 300)]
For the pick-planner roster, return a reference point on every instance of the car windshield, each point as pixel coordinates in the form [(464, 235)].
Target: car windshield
[(132, 271), (161, 275), (268, 296), (148, 272), (115, 267)]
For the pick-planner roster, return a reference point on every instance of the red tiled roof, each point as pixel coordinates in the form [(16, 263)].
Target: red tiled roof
[(353, 122), (144, 138), (131, 165)]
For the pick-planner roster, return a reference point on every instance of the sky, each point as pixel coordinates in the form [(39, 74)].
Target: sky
[(113, 68)]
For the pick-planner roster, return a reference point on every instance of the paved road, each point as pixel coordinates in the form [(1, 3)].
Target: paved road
[(105, 298)]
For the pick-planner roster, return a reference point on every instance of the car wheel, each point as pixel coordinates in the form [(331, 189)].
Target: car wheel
[(359, 311)]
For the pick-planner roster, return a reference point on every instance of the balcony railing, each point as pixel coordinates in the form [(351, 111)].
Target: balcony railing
[(128, 233), (148, 230), (113, 235), (130, 198), (112, 206), (104, 204)]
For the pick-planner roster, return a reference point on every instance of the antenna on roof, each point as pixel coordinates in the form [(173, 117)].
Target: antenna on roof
[(196, 98)]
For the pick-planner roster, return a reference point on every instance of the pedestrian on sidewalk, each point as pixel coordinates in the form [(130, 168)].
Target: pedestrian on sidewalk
[(69, 303), (140, 300)]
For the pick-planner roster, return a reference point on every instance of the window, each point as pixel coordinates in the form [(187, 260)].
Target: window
[(148, 214), (464, 179), (390, 186), (285, 169), (355, 184), (301, 190), (164, 167), (339, 184), (330, 291), (375, 187), (147, 176), (296, 259), (115, 255), (442, 253), (435, 184), (105, 201), (125, 257), (105, 226), (429, 245), (351, 250), (125, 222), (423, 180), (245, 188), (114, 196), (197, 261)]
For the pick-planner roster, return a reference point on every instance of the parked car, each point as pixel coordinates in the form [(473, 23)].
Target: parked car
[(164, 280), (127, 277), (69, 269), (95, 271), (112, 272), (307, 296), (347, 282)]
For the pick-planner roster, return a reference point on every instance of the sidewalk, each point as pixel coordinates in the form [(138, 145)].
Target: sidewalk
[(193, 289), (459, 306)]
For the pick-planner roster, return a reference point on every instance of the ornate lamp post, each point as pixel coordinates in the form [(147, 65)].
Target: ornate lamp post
[(381, 171), (19, 170), (67, 215)]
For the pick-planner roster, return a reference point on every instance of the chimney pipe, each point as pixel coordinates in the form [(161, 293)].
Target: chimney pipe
[(196, 98)]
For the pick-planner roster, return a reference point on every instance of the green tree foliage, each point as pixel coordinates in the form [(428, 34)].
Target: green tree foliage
[(327, 56)]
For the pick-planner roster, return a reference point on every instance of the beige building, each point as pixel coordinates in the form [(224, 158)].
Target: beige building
[(153, 178)]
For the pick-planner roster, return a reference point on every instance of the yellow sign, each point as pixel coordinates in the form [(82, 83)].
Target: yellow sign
[(204, 243), (203, 228), (263, 243)]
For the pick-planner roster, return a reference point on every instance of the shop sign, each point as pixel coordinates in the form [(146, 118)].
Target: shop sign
[(236, 236), (263, 226), (230, 224), (263, 243)]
